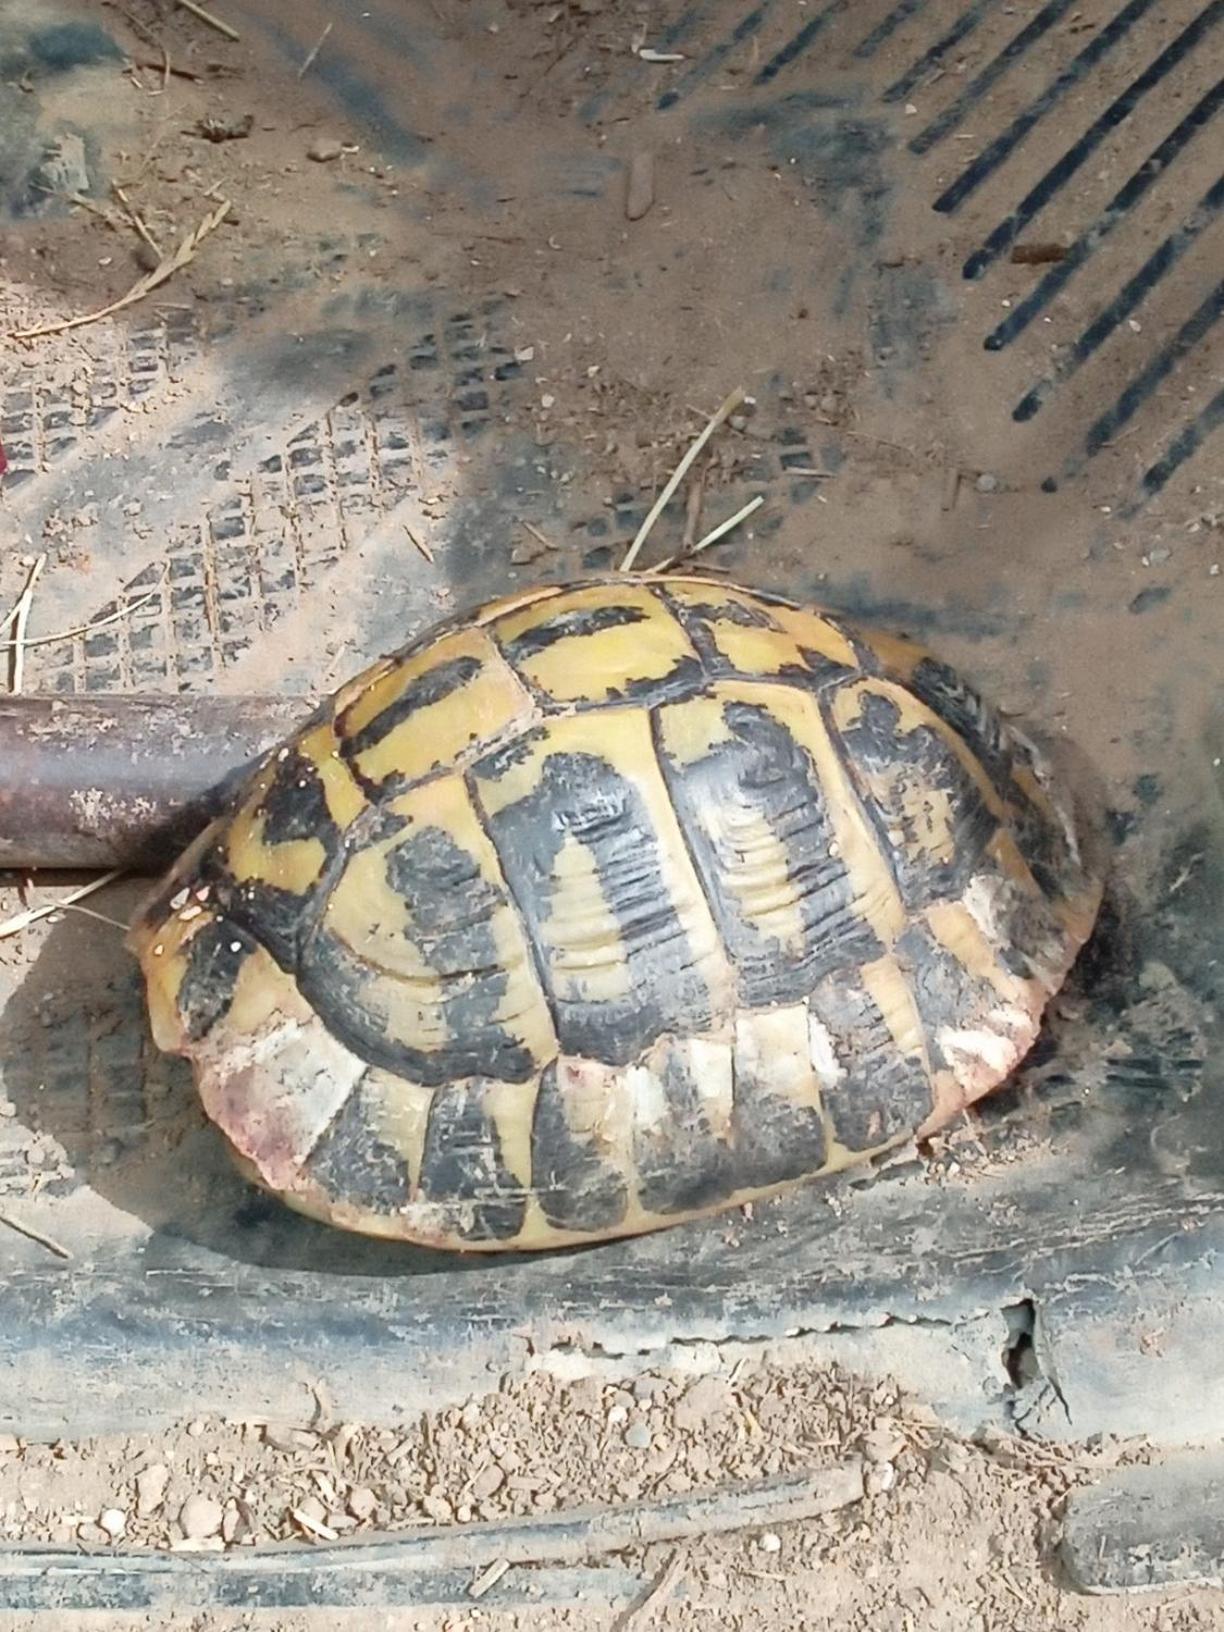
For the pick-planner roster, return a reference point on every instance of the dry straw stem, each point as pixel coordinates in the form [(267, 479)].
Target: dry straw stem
[(314, 51), (165, 269), (19, 617), (207, 17), (133, 215), (32, 1234), (677, 476), (33, 915), (713, 536), (81, 628)]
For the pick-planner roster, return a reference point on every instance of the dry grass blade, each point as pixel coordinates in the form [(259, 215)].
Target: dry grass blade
[(19, 618), (133, 215), (639, 1615), (314, 51), (420, 544), (32, 1234), (713, 536), (83, 628), (207, 17), (165, 269), (33, 915), (724, 412)]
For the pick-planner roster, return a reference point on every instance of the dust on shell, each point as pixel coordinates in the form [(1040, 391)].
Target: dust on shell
[(610, 907)]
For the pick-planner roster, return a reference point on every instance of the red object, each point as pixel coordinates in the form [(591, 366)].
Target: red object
[(3, 460)]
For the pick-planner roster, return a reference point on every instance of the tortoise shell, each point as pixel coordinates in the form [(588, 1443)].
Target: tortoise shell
[(610, 905)]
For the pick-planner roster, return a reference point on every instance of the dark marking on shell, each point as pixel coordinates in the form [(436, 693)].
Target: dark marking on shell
[(947, 994), (765, 771), (340, 986), (422, 693), (581, 796), (682, 1165), (577, 1187), (882, 1091), (683, 681), (573, 625), (212, 959), (295, 806), (463, 1170), (775, 1139), (908, 767), (276, 918), (962, 709), (352, 1164)]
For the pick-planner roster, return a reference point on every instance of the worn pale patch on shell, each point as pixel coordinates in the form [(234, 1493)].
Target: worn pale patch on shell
[(274, 1093), (829, 1068)]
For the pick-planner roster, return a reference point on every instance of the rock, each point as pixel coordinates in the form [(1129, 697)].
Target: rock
[(639, 187), (707, 1397), (312, 1509), (437, 1508), (986, 483), (645, 1388), (92, 1533), (200, 1516), (880, 1476), (637, 1436), (362, 1503), (487, 1482), (883, 1443), (290, 1439), (151, 1485), (324, 149), (770, 1542), (114, 1521), (231, 1520)]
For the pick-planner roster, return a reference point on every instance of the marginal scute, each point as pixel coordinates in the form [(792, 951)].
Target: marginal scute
[(611, 905)]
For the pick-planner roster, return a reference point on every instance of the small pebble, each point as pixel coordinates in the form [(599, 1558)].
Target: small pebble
[(151, 1485), (114, 1521), (881, 1476), (617, 1415), (883, 1444), (200, 1516), (640, 186), (362, 1503), (324, 149), (986, 483), (770, 1542), (637, 1436)]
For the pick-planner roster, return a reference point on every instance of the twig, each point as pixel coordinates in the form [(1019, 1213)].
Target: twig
[(34, 1235), (133, 215), (165, 269), (692, 515), (207, 17), (314, 51), (21, 616), (166, 67), (713, 536), (420, 544), (88, 912), (535, 532), (661, 1588), (32, 915), (677, 476), (83, 628), (488, 1578)]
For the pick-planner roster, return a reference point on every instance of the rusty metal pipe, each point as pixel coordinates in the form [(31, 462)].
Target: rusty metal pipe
[(123, 780)]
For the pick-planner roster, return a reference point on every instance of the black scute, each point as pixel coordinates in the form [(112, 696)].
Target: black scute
[(922, 762), (882, 1091), (213, 958), (764, 768), (462, 1168), (947, 994), (352, 1164), (583, 796), (577, 1187)]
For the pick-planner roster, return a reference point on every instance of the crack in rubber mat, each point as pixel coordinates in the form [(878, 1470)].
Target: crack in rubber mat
[(964, 257)]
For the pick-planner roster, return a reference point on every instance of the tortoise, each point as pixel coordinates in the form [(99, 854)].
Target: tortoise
[(612, 904)]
